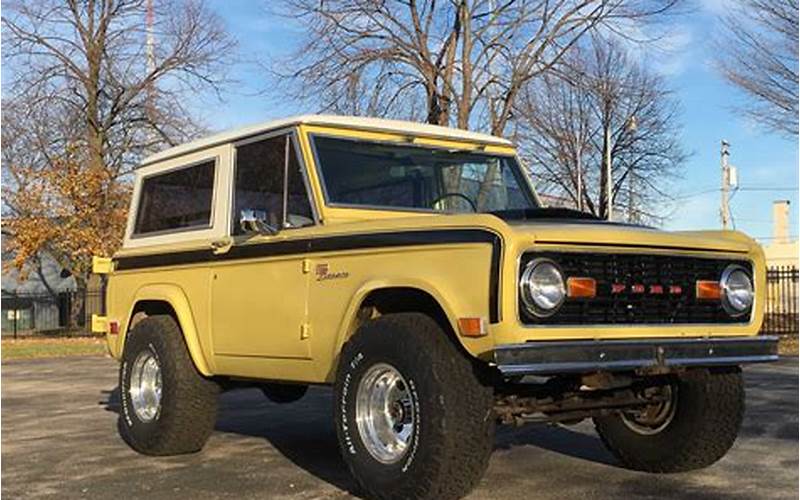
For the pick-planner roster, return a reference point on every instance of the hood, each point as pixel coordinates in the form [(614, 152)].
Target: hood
[(557, 231)]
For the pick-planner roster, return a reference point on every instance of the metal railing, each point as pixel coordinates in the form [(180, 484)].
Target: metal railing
[(34, 313), (781, 314)]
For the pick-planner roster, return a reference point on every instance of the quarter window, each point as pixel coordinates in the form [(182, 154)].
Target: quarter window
[(260, 169), (180, 199)]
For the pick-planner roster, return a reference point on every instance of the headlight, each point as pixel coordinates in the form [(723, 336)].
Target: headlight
[(542, 287), (737, 290)]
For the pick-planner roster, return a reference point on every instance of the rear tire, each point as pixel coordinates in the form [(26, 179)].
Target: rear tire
[(180, 414), (698, 431), (440, 417)]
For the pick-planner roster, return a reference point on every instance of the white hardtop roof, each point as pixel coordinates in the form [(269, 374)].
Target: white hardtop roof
[(351, 122)]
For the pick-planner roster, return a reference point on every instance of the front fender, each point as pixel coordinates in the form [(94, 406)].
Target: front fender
[(475, 346)]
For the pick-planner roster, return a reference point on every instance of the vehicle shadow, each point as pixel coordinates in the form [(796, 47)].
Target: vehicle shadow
[(561, 440), (303, 431), (110, 400)]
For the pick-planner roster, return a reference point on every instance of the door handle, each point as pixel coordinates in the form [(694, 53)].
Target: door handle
[(221, 246)]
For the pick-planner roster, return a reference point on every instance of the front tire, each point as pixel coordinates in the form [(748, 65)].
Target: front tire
[(412, 416), (168, 407), (696, 428)]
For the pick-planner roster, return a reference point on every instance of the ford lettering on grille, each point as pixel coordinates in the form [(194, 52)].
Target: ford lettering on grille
[(637, 289)]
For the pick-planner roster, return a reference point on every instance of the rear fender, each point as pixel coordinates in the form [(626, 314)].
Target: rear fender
[(176, 299)]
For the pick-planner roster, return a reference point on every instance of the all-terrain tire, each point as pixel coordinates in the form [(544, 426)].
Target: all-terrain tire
[(453, 435), (708, 413), (188, 409)]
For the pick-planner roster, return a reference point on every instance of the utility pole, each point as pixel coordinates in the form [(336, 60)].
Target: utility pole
[(724, 208), (607, 156)]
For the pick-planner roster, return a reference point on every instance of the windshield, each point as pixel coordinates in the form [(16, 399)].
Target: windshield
[(382, 175)]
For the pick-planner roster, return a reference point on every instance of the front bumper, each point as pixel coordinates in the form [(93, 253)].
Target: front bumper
[(585, 356)]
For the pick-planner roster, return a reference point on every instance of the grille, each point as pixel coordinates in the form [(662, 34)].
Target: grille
[(636, 308)]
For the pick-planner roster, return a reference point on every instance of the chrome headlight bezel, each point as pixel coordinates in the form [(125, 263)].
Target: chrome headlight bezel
[(735, 271), (534, 304)]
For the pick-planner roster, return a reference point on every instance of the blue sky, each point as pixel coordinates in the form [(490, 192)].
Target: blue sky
[(764, 160)]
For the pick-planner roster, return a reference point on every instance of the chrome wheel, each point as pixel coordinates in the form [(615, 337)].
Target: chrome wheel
[(654, 418), (145, 386), (385, 413)]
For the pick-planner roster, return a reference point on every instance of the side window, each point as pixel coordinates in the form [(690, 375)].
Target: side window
[(180, 199), (259, 184), (298, 206)]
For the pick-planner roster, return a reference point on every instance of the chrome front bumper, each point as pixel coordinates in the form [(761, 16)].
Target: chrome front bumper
[(585, 356)]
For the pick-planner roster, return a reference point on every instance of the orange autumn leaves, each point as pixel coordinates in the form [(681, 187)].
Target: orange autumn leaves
[(68, 209)]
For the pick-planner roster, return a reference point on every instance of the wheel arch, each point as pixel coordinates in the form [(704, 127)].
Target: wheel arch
[(169, 299), (377, 299)]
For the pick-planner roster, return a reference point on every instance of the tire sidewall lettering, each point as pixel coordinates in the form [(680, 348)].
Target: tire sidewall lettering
[(125, 393), (348, 439), (350, 434), (412, 453), (129, 416)]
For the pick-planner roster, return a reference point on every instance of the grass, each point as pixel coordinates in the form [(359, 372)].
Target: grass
[(30, 348), (787, 345)]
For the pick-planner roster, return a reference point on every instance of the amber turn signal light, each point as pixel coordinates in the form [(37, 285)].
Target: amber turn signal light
[(708, 290), (581, 287), (472, 327)]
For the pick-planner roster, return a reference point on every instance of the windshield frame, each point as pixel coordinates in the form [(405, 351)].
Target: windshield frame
[(523, 180)]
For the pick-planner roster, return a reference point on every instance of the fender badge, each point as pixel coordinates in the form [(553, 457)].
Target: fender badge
[(323, 273)]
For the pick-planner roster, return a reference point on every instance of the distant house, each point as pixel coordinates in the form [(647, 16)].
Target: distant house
[(781, 251), (28, 304), (11, 283)]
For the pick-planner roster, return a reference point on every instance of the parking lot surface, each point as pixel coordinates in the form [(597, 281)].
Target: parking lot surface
[(59, 439)]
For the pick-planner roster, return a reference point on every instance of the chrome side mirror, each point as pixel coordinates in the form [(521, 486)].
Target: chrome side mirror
[(255, 221)]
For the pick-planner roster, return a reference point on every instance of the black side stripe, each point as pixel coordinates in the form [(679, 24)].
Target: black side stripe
[(336, 243)]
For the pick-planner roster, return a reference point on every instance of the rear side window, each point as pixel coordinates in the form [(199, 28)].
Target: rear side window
[(176, 200)]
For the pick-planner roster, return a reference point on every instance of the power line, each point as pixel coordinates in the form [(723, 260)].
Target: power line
[(697, 193), (789, 237), (714, 190)]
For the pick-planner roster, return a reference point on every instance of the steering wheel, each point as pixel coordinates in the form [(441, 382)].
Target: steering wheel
[(457, 195)]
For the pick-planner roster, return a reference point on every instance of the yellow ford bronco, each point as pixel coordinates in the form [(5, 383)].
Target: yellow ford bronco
[(414, 269)]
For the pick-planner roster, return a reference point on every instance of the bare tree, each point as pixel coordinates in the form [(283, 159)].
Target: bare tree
[(758, 54), (86, 100), (453, 62), (562, 120), (88, 60)]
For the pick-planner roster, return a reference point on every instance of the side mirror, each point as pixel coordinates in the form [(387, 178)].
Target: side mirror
[(255, 221)]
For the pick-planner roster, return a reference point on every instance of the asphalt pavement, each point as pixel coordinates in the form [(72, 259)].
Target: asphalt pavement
[(59, 439)]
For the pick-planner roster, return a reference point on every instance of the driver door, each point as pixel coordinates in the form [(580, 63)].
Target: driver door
[(259, 292)]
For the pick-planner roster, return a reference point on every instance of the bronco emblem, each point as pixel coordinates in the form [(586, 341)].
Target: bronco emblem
[(323, 273)]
